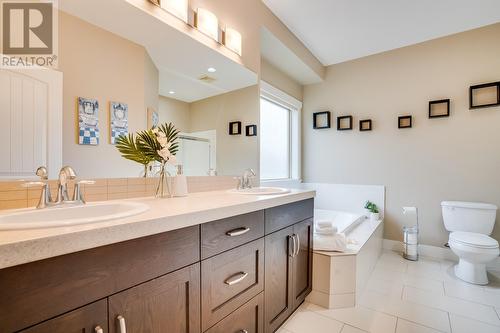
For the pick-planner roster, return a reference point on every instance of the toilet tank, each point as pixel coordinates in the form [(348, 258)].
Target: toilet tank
[(469, 216)]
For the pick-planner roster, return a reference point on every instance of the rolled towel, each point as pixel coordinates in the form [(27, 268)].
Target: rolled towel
[(325, 227)]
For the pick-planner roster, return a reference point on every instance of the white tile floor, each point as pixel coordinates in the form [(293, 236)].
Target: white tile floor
[(409, 297)]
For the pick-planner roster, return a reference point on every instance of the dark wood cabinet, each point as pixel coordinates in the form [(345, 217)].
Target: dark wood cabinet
[(248, 318), (92, 318), (246, 273), (288, 272), (231, 279), (302, 262), (170, 303), (278, 277)]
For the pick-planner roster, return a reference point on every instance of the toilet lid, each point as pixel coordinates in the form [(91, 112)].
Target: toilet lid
[(473, 239)]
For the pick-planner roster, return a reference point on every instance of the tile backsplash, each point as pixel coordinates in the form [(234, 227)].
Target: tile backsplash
[(13, 195)]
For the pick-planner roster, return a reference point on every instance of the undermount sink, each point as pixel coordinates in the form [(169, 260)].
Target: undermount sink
[(261, 191), (63, 216)]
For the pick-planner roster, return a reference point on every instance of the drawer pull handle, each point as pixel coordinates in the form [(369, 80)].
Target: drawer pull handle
[(238, 232), (243, 331), (237, 278), (98, 329), (121, 322)]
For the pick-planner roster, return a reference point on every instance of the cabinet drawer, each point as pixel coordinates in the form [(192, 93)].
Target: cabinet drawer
[(283, 216), (231, 279), (45, 289), (248, 318), (225, 234), (87, 319)]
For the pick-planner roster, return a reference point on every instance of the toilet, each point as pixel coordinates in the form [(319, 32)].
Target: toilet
[(470, 224)]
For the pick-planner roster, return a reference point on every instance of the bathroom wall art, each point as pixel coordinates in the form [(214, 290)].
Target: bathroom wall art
[(321, 120), (405, 121), (365, 125), (439, 108), (118, 116), (153, 118), (88, 121), (344, 123), (235, 128), (251, 130), (484, 95)]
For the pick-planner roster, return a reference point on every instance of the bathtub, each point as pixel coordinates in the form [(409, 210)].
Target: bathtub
[(344, 221)]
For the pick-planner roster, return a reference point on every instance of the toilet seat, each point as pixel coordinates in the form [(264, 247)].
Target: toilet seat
[(473, 239)]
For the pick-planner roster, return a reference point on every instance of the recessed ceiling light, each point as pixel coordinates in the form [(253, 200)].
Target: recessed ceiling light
[(211, 70), (171, 92)]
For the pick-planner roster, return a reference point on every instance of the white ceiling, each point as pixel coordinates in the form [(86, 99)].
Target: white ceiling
[(341, 30), (180, 59)]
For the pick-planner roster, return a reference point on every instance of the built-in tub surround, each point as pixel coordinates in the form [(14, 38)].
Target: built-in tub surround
[(22, 246)]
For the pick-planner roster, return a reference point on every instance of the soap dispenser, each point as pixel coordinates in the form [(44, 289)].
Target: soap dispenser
[(180, 183)]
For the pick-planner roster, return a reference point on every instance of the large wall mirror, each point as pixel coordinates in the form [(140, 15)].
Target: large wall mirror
[(125, 75)]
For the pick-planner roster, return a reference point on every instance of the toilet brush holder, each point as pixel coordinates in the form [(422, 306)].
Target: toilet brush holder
[(410, 243)]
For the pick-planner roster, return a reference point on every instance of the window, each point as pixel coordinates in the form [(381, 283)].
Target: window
[(279, 135)]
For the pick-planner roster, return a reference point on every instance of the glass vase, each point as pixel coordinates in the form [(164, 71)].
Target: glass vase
[(163, 185)]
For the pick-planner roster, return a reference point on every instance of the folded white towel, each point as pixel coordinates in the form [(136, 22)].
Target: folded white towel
[(336, 243), (325, 227)]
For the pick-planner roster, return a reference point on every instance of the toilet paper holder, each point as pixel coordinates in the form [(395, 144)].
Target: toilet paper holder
[(410, 236)]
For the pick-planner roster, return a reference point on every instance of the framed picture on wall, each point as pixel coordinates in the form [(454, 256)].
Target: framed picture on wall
[(153, 118), (88, 121), (118, 116)]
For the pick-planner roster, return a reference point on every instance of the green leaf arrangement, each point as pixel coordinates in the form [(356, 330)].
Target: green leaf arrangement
[(142, 147), (371, 207)]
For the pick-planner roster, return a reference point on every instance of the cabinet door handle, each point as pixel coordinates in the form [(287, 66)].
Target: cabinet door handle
[(98, 329), (297, 250), (236, 278), (238, 231), (121, 322), (243, 331), (291, 246)]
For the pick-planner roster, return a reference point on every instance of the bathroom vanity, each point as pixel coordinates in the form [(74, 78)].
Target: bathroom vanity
[(211, 262)]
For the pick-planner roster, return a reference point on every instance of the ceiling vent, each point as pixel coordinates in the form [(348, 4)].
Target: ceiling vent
[(207, 79)]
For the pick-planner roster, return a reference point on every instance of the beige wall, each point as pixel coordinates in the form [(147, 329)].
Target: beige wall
[(174, 111), (235, 153), (280, 80), (98, 64), (454, 158)]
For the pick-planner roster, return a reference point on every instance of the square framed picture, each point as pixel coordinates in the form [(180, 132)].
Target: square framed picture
[(321, 120), (365, 125), (118, 120), (235, 128), (439, 108), (88, 121), (344, 123), (251, 130), (405, 121)]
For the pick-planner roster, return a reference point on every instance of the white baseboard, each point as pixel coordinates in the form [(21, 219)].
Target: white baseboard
[(432, 251)]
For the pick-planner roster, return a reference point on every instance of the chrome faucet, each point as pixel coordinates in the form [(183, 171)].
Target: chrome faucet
[(65, 174), (245, 181)]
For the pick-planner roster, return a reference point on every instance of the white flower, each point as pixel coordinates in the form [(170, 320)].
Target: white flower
[(161, 135), (155, 130), (163, 141), (164, 154)]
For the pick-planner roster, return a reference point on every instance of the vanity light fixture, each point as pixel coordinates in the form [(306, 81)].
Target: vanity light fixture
[(232, 40), (207, 23), (211, 70), (178, 8)]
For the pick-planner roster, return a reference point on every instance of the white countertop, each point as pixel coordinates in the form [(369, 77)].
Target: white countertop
[(23, 246)]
